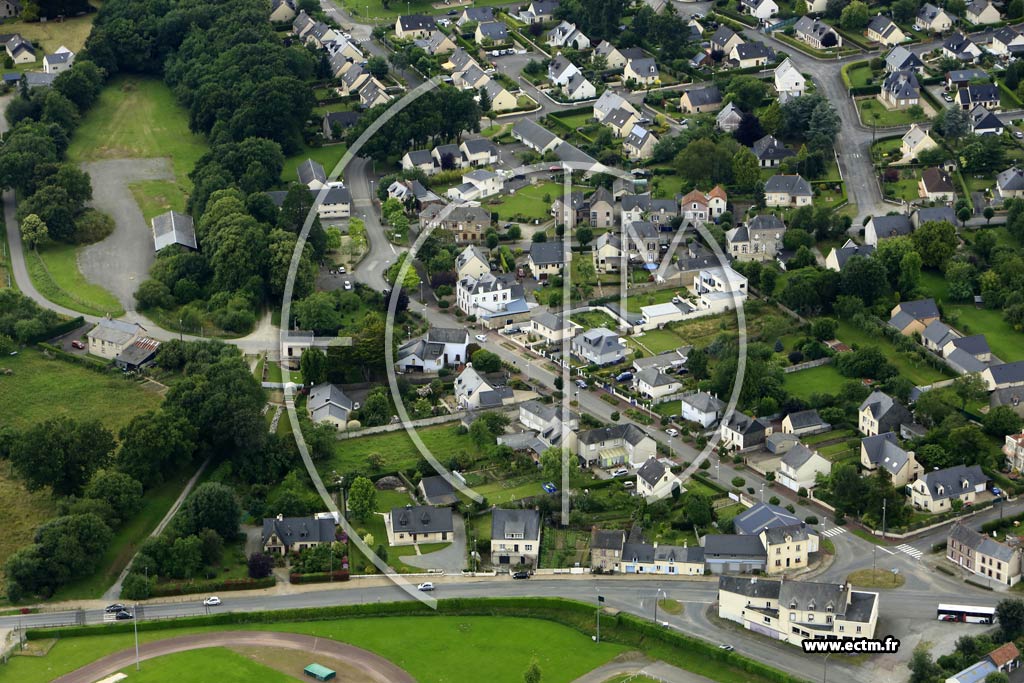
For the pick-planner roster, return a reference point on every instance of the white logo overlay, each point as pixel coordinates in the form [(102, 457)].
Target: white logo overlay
[(532, 369)]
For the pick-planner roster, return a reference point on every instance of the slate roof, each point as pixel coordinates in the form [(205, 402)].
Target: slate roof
[(963, 362), (778, 534), (173, 228), (892, 226), (952, 480), (628, 432), (770, 148), (438, 490), (326, 393), (793, 185), (533, 132), (964, 75), (703, 402), (676, 553), (937, 213), (981, 543), (920, 309), (512, 524), (651, 471), (421, 519), (882, 25), (602, 539), (478, 14), (761, 516), (849, 250), (655, 377), (984, 120), (547, 253), (900, 58), (806, 418), (732, 545), (417, 22), (723, 35), (495, 30), (797, 456), (753, 587), (902, 85), (291, 530), (703, 96), (938, 333), (936, 180), (884, 450), (117, 332), (744, 424), (754, 50), (1010, 180), (975, 344), (971, 94), (138, 353), (878, 403), (309, 171), (345, 119), (1008, 373)]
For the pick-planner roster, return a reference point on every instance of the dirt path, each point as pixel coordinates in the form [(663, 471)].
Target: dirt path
[(374, 667)]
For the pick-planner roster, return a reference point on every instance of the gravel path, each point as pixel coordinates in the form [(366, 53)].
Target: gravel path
[(121, 262), (374, 667)]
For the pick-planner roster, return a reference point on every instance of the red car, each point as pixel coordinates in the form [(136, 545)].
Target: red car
[(78, 344)]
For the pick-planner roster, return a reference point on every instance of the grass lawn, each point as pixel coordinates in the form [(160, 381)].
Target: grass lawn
[(574, 121), (507, 491), (904, 188), (24, 510), (859, 73), (636, 301), (823, 379), (377, 10), (868, 108), (659, 341), (914, 370), (71, 33), (397, 449), (887, 150), (437, 649), (214, 663), (529, 202), (155, 197), (54, 271), (591, 319), (138, 118), (327, 156), (877, 578)]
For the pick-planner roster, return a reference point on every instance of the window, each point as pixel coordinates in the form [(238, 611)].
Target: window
[(810, 617), (792, 617), (858, 629), (529, 547), (767, 620)]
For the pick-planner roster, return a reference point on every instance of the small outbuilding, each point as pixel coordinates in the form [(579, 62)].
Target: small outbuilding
[(319, 672)]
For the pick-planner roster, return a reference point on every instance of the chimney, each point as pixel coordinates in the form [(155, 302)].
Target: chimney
[(280, 518)]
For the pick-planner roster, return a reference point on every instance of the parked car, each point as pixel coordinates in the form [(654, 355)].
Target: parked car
[(628, 485), (211, 601), (996, 491), (341, 269), (624, 377), (115, 608), (581, 384), (426, 586), (481, 337), (123, 614), (727, 648), (621, 472), (520, 575), (672, 431), (549, 487), (78, 344), (348, 284), (1018, 134)]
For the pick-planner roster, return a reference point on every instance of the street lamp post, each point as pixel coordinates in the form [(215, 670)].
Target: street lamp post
[(135, 623)]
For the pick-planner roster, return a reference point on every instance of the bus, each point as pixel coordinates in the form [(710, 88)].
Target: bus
[(967, 613)]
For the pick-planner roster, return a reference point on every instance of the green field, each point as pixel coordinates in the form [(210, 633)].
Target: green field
[(858, 73), (155, 197), (71, 33), (54, 272), (138, 118), (377, 10), (28, 396), (529, 202), (869, 108), (659, 341), (211, 664), (398, 450), (916, 371), (436, 649), (820, 380), (327, 156), (636, 301)]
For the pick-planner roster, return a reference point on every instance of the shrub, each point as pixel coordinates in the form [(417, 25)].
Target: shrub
[(738, 482), (319, 577), (774, 500), (136, 587), (792, 510), (260, 565), (750, 490), (810, 519), (802, 492), (839, 518), (615, 416), (705, 464)]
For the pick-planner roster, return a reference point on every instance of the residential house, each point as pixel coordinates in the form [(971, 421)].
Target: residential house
[(934, 491), (479, 152), (751, 54), (884, 30), (879, 228), (642, 71), (718, 288), (312, 174), (535, 136), (373, 94), (477, 185), (670, 560), (884, 450), (515, 536), (567, 35), (976, 345), (697, 206), (616, 445), (1013, 449), (804, 422), (173, 228), (609, 256), (538, 12), (415, 524), (281, 11), (983, 555), (501, 99), (335, 123), (598, 346), (880, 413), (639, 144), (936, 335), (981, 12), (546, 258), (724, 40), (770, 152), (491, 33), (445, 346), (761, 516), (419, 159), (914, 316), (621, 121), (927, 214), (1004, 659), (472, 391), (758, 240), (552, 328), (839, 256), (336, 202), (701, 100), (788, 547), (1010, 183), (59, 61), (666, 361), (608, 102), (932, 18), (733, 553), (970, 96), (900, 89), (579, 88), (10, 8), (800, 466), (437, 490), (109, 337), (936, 185), (602, 208), (729, 118), (960, 47), (656, 385), (437, 43), (984, 122), (471, 78), (494, 300), (902, 59), (411, 26), (614, 59), (787, 190), (658, 315), (789, 82), (743, 433), (467, 222), (329, 404), (140, 354), (655, 481), (1006, 41), (1004, 376), (570, 210), (816, 33), (477, 15), (606, 549), (915, 141), (792, 611), (560, 70), (283, 535), (702, 408), (760, 9)]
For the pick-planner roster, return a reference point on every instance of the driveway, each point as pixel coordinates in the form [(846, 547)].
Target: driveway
[(122, 260), (451, 559)]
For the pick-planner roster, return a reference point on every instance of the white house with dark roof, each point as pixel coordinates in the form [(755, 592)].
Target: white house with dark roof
[(787, 190), (329, 404), (598, 346), (901, 59), (839, 256), (915, 141), (761, 516), (608, 102), (724, 40), (535, 136), (985, 94), (579, 88), (800, 466), (415, 524), (615, 445), (760, 9), (639, 144), (932, 18), (914, 316), (472, 391), (642, 71), (983, 555), (934, 491), (311, 174), (884, 30), (936, 335), (882, 227), (546, 258), (789, 547), (804, 422), (884, 450), (475, 14), (1010, 183), (488, 32), (770, 151), (655, 384), (743, 433), (441, 347), (701, 100), (515, 537), (1004, 376), (984, 122), (550, 327), (701, 407), (110, 337), (816, 33), (960, 47), (488, 294), (655, 481), (1006, 41), (283, 535), (880, 413), (567, 35), (61, 60), (410, 26), (173, 228), (901, 89), (789, 82), (982, 12), (750, 54)]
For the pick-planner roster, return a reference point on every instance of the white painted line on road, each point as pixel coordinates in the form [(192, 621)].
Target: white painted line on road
[(886, 550), (392, 248)]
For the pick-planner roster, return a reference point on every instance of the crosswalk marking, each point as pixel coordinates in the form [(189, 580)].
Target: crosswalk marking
[(910, 550), (834, 531)]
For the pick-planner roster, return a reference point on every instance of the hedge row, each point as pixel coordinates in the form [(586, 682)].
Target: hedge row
[(861, 90), (319, 577), (621, 628), (77, 359), (57, 330), (188, 587)]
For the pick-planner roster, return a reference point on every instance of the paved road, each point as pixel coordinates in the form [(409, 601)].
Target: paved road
[(370, 271), (121, 262), (372, 666)]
